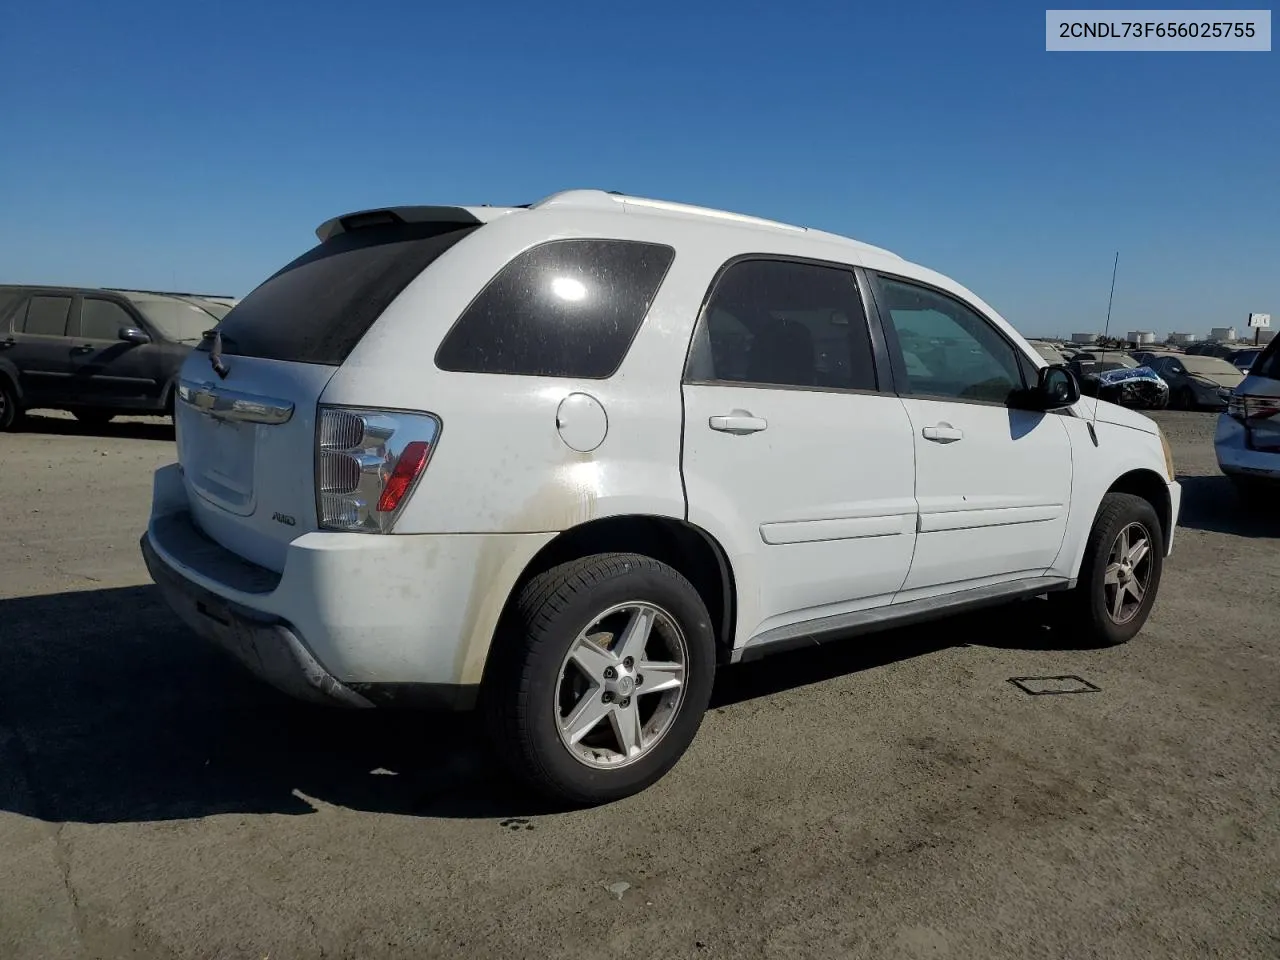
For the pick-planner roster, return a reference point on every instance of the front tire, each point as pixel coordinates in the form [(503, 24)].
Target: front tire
[(602, 673), (1120, 574)]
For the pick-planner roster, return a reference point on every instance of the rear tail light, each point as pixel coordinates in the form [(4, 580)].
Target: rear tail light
[(1244, 407), (367, 464)]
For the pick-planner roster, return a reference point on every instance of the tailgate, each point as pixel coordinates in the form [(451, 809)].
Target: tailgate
[(247, 397), (247, 448)]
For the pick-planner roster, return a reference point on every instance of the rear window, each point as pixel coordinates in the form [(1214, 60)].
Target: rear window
[(567, 308), (46, 316), (7, 299), (1268, 365), (317, 308)]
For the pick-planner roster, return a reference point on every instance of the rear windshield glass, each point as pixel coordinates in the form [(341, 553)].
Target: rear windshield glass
[(567, 308), (317, 308), (1268, 365)]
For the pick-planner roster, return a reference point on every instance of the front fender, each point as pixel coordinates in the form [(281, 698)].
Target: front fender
[(1121, 452)]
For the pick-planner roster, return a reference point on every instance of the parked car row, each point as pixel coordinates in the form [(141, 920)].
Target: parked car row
[(1202, 377), (97, 353)]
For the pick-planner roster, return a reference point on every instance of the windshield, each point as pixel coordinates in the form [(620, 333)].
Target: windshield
[(177, 319), (219, 310), (1210, 367)]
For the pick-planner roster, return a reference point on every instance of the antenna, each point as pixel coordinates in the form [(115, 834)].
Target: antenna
[(1106, 331)]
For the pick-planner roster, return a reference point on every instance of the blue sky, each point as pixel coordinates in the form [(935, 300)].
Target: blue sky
[(196, 146)]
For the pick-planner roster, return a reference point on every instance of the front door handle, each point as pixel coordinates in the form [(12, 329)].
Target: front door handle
[(8, 342), (738, 422), (83, 348), (943, 433)]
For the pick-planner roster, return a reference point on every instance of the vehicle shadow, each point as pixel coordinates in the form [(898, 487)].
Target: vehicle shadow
[(111, 711), (1212, 504), (152, 428)]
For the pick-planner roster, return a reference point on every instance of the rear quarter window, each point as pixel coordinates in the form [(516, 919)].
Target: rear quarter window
[(316, 309), (566, 308)]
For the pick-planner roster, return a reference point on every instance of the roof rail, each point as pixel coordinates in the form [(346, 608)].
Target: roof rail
[(611, 200)]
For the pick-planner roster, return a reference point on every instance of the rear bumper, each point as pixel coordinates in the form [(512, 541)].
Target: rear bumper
[(1236, 459), (263, 643), (355, 619)]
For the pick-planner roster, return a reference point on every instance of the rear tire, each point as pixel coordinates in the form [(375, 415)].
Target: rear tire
[(1116, 588), (10, 408), (94, 418), (571, 661)]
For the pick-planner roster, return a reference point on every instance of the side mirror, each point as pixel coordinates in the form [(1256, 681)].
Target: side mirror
[(1057, 388), (133, 335)]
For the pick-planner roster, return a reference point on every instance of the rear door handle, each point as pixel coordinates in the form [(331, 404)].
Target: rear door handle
[(738, 422), (943, 433)]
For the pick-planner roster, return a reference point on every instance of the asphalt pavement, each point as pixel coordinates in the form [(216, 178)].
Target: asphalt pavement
[(893, 797)]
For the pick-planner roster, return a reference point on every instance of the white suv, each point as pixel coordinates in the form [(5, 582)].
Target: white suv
[(562, 460)]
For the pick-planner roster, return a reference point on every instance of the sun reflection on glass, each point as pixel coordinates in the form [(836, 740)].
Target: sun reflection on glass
[(567, 288)]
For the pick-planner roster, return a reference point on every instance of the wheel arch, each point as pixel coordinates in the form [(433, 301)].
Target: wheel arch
[(9, 373), (684, 546), (1153, 488)]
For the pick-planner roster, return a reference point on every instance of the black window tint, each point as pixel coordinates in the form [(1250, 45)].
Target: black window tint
[(784, 323), (17, 315), (1268, 365), (568, 308), (317, 308), (8, 298), (102, 319), (946, 348), (47, 316)]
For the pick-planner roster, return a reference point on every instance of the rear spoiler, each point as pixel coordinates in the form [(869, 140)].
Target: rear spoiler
[(462, 216)]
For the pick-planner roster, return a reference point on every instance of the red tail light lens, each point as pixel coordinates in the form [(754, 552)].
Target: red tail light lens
[(411, 463), (1253, 408), (1260, 408), (367, 465)]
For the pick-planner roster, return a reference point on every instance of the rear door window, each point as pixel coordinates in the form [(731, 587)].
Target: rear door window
[(316, 309), (46, 316), (8, 298), (784, 323), (567, 308)]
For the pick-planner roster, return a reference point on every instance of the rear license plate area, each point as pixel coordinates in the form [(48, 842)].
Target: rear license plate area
[(218, 461)]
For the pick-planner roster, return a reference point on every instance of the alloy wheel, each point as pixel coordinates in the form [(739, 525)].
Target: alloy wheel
[(621, 685), (1128, 573)]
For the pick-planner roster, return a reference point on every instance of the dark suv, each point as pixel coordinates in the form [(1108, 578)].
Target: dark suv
[(97, 353)]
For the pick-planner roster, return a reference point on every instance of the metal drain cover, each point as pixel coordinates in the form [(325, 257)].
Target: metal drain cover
[(1045, 686)]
